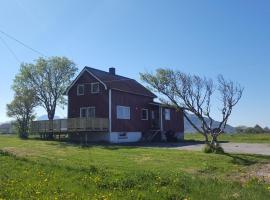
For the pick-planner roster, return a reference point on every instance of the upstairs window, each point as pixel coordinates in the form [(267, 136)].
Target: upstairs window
[(123, 112), (94, 88), (144, 114), (88, 112), (80, 90), (167, 113)]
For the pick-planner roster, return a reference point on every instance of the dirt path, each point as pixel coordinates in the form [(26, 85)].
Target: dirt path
[(254, 148)]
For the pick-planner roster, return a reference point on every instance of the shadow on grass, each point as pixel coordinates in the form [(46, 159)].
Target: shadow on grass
[(246, 159), (102, 145), (63, 143)]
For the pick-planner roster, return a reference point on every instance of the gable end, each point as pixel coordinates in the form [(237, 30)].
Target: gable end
[(80, 74)]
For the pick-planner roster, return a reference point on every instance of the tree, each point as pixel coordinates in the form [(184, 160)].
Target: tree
[(194, 94), (49, 79), (22, 109), (258, 129)]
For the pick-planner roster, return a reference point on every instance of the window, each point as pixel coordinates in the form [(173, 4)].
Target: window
[(123, 112), (83, 112), (167, 114), (91, 112), (153, 114), (122, 135), (94, 88), (144, 115), (88, 112), (80, 90)]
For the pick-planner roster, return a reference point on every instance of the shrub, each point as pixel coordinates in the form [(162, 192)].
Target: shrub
[(208, 148)]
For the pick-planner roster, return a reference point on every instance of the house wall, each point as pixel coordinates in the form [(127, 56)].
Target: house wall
[(176, 123), (134, 127), (136, 104), (113, 137), (90, 137), (130, 137), (99, 100)]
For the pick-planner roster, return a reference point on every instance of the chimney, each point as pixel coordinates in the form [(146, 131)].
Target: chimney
[(112, 70)]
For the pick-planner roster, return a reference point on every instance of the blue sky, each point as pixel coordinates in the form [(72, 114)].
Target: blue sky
[(230, 37)]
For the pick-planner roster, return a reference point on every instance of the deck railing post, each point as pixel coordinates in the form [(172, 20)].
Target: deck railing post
[(47, 128)]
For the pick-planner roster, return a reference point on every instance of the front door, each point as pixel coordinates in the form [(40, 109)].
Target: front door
[(154, 117)]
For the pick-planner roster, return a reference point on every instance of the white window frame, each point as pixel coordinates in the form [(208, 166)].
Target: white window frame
[(78, 86), (124, 114), (92, 86), (87, 111), (81, 111), (144, 109), (167, 114)]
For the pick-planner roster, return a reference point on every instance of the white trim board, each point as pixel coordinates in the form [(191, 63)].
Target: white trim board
[(80, 74)]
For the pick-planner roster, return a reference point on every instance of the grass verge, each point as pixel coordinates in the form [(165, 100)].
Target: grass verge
[(32, 169)]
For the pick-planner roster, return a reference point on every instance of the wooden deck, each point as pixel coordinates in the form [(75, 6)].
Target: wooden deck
[(70, 125)]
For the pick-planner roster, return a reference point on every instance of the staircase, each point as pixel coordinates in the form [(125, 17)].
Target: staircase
[(151, 136)]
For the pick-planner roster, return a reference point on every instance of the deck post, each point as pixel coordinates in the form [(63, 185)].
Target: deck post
[(110, 110), (161, 118), (85, 137)]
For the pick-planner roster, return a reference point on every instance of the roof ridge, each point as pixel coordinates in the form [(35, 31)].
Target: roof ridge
[(91, 68), (111, 79)]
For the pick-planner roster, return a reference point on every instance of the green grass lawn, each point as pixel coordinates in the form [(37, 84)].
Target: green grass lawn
[(33, 169), (243, 138)]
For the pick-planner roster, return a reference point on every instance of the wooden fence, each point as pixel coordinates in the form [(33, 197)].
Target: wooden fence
[(70, 125)]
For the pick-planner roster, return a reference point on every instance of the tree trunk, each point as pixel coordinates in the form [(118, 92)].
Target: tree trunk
[(206, 138), (50, 113), (214, 142)]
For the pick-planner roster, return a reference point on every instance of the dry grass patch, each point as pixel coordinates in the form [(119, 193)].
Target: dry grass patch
[(20, 151)]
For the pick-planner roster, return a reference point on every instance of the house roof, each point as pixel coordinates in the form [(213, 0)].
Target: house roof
[(117, 82)]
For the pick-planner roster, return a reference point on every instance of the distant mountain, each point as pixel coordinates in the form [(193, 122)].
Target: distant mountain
[(45, 117), (196, 121)]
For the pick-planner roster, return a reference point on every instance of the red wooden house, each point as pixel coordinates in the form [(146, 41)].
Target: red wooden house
[(132, 113)]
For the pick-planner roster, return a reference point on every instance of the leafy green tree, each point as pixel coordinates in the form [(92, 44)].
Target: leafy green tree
[(22, 109), (194, 94), (258, 129), (49, 79)]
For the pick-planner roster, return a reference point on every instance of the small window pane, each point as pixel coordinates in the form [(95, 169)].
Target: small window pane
[(83, 112), (80, 89), (167, 114), (123, 112), (153, 114), (91, 112), (144, 114), (95, 88)]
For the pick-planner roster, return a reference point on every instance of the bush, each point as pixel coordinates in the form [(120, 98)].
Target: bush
[(208, 148)]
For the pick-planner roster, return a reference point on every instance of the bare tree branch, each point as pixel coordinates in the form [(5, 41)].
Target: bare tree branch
[(193, 93)]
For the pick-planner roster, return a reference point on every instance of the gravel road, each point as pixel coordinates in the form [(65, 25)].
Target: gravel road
[(249, 148)]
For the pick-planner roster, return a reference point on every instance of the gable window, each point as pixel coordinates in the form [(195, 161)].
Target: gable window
[(123, 112), (167, 113), (88, 112), (94, 88), (144, 114), (80, 90)]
